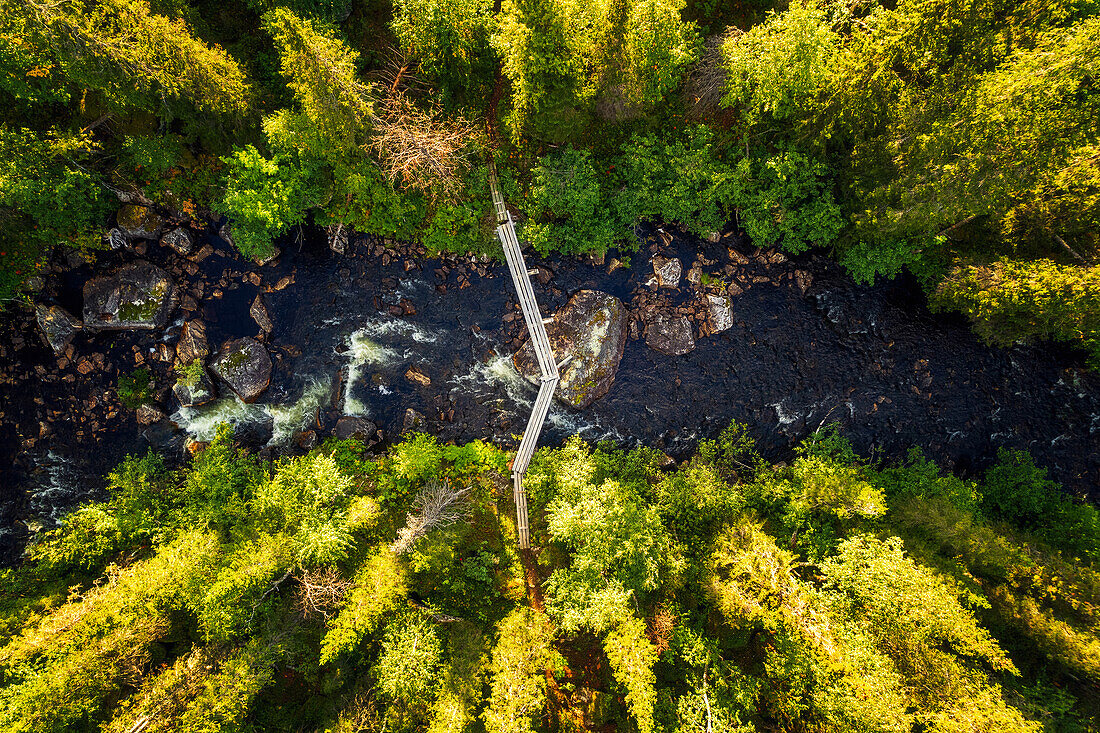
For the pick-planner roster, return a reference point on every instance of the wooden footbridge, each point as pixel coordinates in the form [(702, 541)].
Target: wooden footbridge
[(548, 367)]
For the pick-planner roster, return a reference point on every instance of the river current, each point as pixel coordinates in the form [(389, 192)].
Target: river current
[(872, 359)]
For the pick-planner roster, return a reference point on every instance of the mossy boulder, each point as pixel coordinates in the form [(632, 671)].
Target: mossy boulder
[(139, 222), (591, 330), (138, 295), (244, 366)]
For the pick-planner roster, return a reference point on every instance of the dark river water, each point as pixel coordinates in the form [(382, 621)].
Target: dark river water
[(872, 359)]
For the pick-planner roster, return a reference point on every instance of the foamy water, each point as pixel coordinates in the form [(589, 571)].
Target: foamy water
[(201, 422)]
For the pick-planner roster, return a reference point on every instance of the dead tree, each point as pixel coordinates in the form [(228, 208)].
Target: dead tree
[(417, 149), (320, 592), (437, 505), (706, 84)]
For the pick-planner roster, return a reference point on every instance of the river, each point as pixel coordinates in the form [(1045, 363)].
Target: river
[(872, 359)]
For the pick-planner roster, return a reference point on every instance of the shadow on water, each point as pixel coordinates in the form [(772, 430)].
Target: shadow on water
[(872, 359)]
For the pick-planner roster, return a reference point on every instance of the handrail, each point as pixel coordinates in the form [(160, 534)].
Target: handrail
[(548, 367)]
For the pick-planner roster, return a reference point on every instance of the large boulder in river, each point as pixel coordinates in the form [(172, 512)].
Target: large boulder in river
[(245, 366), (192, 345), (667, 270), (591, 332), (359, 428), (180, 240), (139, 295), (139, 222), (670, 334), (58, 326), (719, 312)]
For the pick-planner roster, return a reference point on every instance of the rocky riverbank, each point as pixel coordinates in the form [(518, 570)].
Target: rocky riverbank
[(374, 338)]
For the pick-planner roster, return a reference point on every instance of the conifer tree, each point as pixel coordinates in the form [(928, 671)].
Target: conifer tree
[(321, 72), (134, 56)]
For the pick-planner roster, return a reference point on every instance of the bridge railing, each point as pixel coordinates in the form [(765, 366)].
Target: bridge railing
[(548, 368)]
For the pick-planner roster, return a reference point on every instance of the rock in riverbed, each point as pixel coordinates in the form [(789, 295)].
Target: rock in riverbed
[(139, 222), (356, 427), (719, 313), (245, 366), (58, 326), (668, 271), (591, 329), (670, 334), (180, 240), (139, 295), (192, 345), (258, 311)]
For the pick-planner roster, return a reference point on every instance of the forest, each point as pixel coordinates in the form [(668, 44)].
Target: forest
[(346, 591), (956, 141), (377, 585)]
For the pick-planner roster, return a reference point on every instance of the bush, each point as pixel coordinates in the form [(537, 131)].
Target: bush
[(1009, 301), (682, 179), (566, 206), (136, 389), (785, 199), (1017, 490)]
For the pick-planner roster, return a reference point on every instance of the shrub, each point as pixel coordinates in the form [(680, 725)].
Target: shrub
[(566, 206), (1009, 300), (136, 389)]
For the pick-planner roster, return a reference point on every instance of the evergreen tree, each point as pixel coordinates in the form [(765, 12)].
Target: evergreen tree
[(321, 71)]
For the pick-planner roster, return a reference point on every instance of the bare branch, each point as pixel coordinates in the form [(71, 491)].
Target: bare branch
[(419, 150), (320, 592), (706, 85), (437, 505)]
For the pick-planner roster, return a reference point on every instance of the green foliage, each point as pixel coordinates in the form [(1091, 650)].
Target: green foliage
[(632, 657), (320, 70), (379, 588), (136, 389), (1017, 490), (134, 57), (1012, 300), (569, 61), (47, 194), (777, 69), (913, 613), (190, 375), (218, 488), (683, 179), (518, 682), (541, 57), (409, 664), (785, 200), (92, 534), (264, 197), (716, 693), (1040, 596), (615, 543), (242, 587), (308, 498), (726, 594), (918, 477), (566, 207), (450, 39)]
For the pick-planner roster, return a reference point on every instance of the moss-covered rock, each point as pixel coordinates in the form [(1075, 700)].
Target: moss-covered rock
[(245, 367), (591, 331), (139, 222), (138, 295)]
